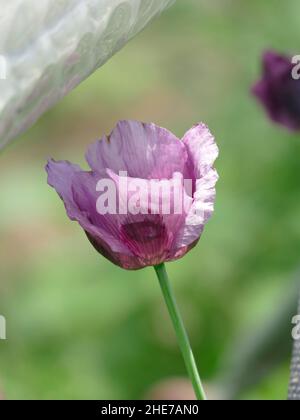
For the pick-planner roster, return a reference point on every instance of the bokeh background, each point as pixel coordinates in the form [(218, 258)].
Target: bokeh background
[(80, 328)]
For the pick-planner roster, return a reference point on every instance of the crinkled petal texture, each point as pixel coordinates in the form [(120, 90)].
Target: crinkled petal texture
[(148, 194), (278, 91)]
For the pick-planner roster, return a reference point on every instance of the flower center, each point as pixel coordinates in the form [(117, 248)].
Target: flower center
[(148, 239), (144, 232)]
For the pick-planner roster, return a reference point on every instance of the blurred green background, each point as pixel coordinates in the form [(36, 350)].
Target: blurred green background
[(79, 327)]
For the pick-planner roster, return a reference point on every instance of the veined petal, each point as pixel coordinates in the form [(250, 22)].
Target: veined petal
[(60, 177), (104, 228), (68, 179), (202, 149), (203, 152), (143, 150), (200, 211)]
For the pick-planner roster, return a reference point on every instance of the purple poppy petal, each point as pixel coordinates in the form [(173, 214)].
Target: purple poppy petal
[(201, 210), (123, 260), (143, 150), (104, 227), (60, 176), (65, 177), (202, 149), (274, 63), (203, 152), (278, 92), (150, 236)]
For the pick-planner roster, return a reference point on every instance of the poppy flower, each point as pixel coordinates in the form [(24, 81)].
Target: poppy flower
[(279, 90), (148, 154), (145, 201)]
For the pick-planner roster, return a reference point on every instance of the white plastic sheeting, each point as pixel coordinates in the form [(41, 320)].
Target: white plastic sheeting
[(47, 47)]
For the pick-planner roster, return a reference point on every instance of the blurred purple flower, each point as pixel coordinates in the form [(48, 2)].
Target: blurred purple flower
[(146, 152), (278, 91)]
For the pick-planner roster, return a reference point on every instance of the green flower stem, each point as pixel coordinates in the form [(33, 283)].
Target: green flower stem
[(181, 333)]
